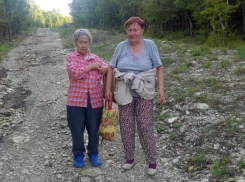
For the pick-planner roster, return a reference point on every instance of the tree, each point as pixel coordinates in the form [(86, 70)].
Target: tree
[(107, 13), (158, 14), (242, 2), (187, 8), (8, 15), (213, 16)]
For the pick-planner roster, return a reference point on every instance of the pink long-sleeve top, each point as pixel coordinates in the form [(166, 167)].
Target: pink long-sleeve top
[(81, 82)]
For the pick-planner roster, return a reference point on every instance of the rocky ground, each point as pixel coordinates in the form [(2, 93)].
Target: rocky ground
[(36, 143)]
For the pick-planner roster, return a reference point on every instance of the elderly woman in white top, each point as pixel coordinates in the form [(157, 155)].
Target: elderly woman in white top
[(136, 61)]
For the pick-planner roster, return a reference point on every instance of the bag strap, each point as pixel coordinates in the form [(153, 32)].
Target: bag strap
[(109, 104)]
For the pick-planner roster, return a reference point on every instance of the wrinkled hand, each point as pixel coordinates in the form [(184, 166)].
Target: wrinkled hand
[(93, 66), (108, 95), (161, 97), (103, 69), (96, 66)]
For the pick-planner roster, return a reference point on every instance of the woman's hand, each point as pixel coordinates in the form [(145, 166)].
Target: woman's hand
[(103, 69), (161, 96), (108, 95), (93, 66)]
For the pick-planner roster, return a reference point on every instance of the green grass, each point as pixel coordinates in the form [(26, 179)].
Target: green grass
[(179, 94), (192, 90), (212, 57), (232, 125), (180, 69), (176, 125), (171, 134), (66, 33), (225, 63), (238, 98), (207, 64), (4, 49), (229, 127), (200, 51), (240, 53), (239, 70), (196, 52), (164, 116), (241, 164), (168, 60), (211, 81), (199, 159), (220, 170)]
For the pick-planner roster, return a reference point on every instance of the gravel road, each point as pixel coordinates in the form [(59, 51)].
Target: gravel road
[(36, 143)]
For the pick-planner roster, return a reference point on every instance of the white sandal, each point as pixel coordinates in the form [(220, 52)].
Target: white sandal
[(128, 166), (151, 171)]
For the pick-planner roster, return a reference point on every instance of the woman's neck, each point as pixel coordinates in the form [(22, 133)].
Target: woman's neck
[(135, 44), (135, 47)]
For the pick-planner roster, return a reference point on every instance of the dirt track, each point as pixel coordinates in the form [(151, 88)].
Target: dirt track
[(36, 142)]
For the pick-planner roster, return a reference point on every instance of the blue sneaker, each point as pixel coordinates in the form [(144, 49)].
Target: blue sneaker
[(94, 160), (78, 161)]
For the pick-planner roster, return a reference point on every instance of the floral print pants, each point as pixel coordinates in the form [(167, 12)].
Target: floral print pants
[(141, 111)]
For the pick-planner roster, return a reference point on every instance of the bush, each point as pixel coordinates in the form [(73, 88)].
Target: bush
[(240, 53)]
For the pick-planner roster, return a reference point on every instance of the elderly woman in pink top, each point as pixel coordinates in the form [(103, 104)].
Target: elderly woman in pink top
[(85, 98)]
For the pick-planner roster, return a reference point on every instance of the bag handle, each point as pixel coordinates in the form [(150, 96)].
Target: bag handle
[(109, 104)]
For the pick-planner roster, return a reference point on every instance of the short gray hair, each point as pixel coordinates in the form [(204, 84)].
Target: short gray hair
[(80, 32)]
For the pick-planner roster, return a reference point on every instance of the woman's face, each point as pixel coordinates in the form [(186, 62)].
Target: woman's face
[(82, 45), (134, 33)]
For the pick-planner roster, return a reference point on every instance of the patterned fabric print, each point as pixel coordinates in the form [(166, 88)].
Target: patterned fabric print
[(142, 111), (108, 125), (127, 129), (81, 82)]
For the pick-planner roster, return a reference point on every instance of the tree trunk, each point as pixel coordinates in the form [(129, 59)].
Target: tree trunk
[(9, 19), (1, 35), (170, 24), (243, 21), (182, 21), (190, 24)]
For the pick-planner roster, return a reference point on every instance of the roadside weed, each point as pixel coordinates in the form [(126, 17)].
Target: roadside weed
[(180, 69), (239, 70), (241, 164), (164, 116), (167, 61), (199, 159), (207, 64), (220, 169), (225, 63), (240, 53)]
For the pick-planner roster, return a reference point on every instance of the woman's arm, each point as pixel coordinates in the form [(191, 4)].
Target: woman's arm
[(74, 70), (108, 93), (160, 79)]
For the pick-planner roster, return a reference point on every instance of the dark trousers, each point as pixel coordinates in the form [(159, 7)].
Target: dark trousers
[(80, 118)]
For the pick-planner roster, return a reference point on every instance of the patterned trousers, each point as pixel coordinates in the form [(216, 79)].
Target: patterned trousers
[(141, 111)]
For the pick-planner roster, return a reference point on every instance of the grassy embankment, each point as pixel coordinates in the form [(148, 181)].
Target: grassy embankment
[(6, 46)]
